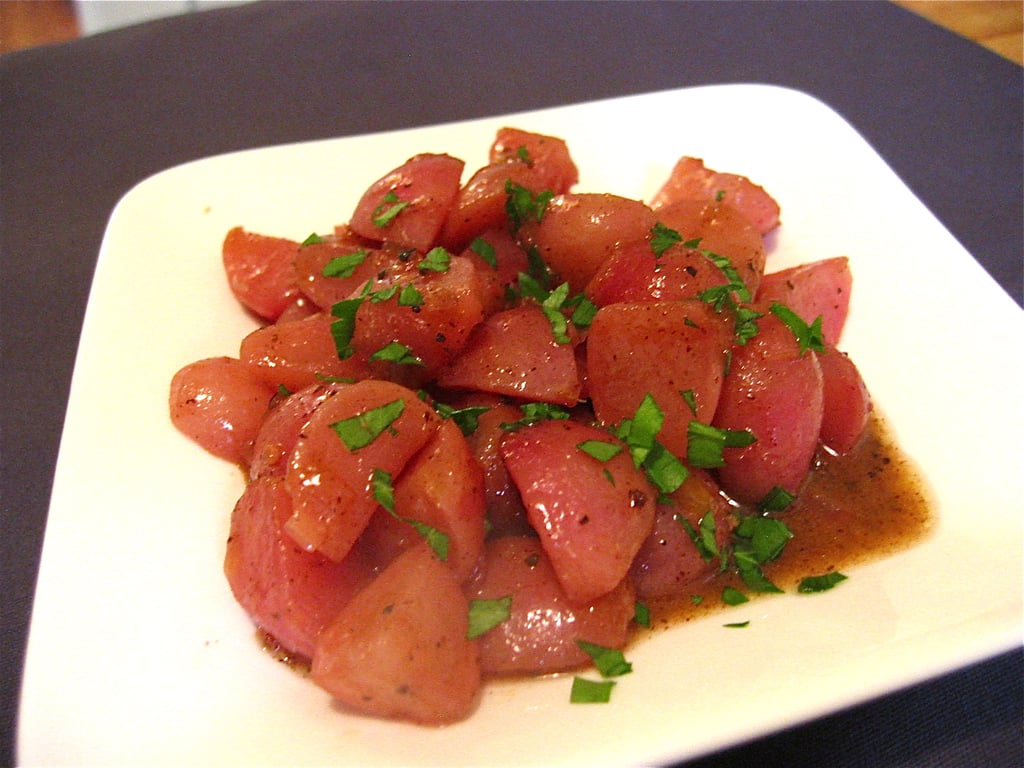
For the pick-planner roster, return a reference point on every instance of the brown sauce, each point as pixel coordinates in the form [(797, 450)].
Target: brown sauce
[(865, 505)]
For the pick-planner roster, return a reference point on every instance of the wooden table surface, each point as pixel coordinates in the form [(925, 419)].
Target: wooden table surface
[(995, 24)]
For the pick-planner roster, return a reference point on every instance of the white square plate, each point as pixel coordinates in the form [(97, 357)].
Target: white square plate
[(139, 655)]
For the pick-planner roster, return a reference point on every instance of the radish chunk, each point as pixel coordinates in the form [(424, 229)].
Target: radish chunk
[(722, 230), (591, 513), (408, 206), (442, 487), (690, 180), (543, 626), (434, 326), (777, 393), (660, 349), (634, 273), (259, 271), (668, 561), (219, 402), (282, 426), (847, 403), (334, 268), (289, 593), (818, 289), (297, 353), (399, 648), (371, 425), (577, 232), (546, 156), (514, 353)]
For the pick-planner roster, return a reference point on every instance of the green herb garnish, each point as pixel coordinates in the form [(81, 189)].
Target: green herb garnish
[(390, 207), (362, 429), (485, 615), (823, 583)]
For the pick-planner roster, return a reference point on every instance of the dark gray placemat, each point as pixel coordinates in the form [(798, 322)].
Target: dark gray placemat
[(81, 123)]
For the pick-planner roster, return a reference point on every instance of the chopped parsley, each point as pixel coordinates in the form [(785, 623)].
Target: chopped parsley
[(642, 614), (807, 336), (732, 596), (362, 429), (639, 433), (522, 205), (396, 352), (467, 419), (600, 450), (485, 251), (704, 444), (313, 239), (384, 493), (705, 537), (823, 583), (344, 266), (609, 661), (663, 238), (436, 260), (536, 412), (590, 691), (485, 615), (390, 207), (776, 500), (343, 328)]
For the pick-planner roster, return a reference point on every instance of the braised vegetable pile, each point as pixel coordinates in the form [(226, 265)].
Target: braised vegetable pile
[(487, 424)]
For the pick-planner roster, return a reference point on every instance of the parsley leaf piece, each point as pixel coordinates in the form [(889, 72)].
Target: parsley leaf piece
[(436, 260), (344, 266), (704, 443), (609, 661), (396, 352), (524, 155), (776, 500), (485, 251), (663, 238), (732, 596), (583, 312), (552, 307), (362, 429), (641, 430), (590, 691), (767, 536), (745, 327), (736, 284), (705, 538), (534, 412), (663, 469), (409, 296), (811, 584), (384, 493), (467, 419), (690, 399), (313, 239), (383, 490), (807, 336), (389, 208), (600, 450), (485, 615), (521, 205), (737, 624), (642, 614), (344, 327), (438, 540), (749, 569)]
